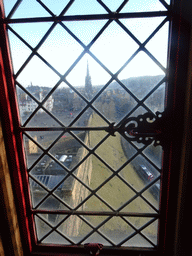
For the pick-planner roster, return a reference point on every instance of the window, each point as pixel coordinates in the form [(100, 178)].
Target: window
[(92, 87)]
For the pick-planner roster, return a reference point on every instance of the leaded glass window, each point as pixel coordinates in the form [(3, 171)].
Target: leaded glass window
[(88, 74)]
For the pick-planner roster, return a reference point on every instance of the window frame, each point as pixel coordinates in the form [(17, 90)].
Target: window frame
[(179, 44)]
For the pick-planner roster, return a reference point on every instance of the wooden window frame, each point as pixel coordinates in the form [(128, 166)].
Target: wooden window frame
[(176, 161)]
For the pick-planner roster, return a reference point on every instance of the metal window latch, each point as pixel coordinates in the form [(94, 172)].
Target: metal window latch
[(93, 248), (147, 128)]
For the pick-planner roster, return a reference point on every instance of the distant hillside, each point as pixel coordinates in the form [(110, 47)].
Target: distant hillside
[(139, 85)]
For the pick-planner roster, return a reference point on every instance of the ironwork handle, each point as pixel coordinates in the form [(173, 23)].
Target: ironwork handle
[(93, 248), (144, 128)]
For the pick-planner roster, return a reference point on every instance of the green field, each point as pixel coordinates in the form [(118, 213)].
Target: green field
[(116, 193)]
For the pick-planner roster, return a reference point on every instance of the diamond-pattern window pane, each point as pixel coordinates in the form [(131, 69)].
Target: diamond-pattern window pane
[(37, 31), (161, 54), (119, 50), (77, 81), (142, 28), (141, 66), (85, 7), (115, 102), (36, 72), (39, 119), (86, 30), (116, 229), (29, 9), (143, 6), (20, 52), (63, 49), (122, 193)]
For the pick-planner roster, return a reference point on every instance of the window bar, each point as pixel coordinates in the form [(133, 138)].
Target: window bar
[(51, 192), (46, 151), (92, 40), (55, 87), (71, 174), (95, 229), (154, 165), (111, 16), (142, 45), (99, 213), (74, 36), (100, 160)]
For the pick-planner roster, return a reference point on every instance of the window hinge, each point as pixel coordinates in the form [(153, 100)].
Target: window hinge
[(148, 128)]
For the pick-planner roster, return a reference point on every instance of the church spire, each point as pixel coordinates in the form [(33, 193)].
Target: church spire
[(88, 84), (87, 68)]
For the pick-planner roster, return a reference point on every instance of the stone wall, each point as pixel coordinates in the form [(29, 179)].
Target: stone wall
[(78, 191), (72, 193)]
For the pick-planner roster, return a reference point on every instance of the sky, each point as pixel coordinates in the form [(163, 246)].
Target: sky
[(113, 48)]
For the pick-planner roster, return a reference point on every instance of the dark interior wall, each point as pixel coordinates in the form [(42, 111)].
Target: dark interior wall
[(10, 243)]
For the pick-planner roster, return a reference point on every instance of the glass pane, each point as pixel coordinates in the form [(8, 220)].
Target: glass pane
[(37, 31), (112, 45), (36, 72), (85, 7), (27, 9), (161, 54), (113, 5), (20, 52), (63, 49), (75, 91), (143, 6), (8, 6), (116, 229), (115, 102), (142, 28)]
